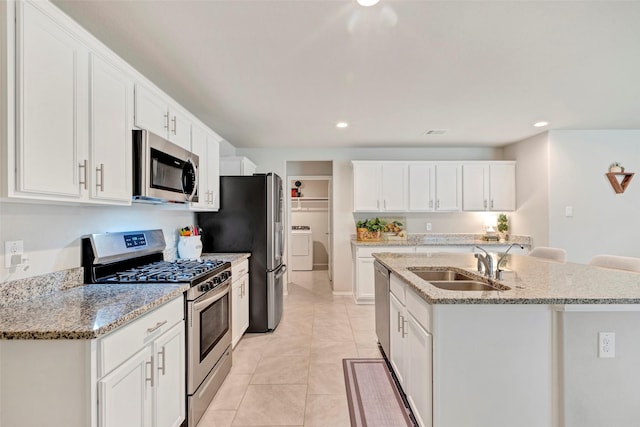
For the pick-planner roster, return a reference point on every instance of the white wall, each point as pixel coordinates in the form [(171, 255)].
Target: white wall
[(603, 222), (597, 391), (274, 160), (532, 188), (51, 233)]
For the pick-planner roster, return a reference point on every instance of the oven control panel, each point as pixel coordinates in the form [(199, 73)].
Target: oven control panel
[(208, 284)]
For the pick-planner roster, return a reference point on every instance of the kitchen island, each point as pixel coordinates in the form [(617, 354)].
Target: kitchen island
[(531, 355)]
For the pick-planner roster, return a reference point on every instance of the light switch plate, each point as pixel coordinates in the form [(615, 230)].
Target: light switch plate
[(568, 211)]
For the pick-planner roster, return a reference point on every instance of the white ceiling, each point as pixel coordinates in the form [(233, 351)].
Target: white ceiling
[(281, 73)]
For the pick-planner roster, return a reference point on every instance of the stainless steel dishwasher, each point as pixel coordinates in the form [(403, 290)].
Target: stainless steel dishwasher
[(382, 306)]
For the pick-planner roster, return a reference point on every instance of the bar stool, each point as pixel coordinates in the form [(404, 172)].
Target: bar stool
[(554, 254), (615, 262)]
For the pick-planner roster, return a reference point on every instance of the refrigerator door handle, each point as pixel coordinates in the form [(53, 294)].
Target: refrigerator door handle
[(280, 272)]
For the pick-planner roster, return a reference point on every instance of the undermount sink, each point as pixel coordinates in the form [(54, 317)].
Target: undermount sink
[(451, 280)]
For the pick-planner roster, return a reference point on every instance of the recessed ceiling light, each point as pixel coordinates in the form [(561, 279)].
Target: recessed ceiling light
[(540, 124), (342, 125), (367, 3)]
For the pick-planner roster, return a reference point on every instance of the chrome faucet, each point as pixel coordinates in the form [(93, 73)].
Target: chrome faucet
[(498, 270), (484, 261)]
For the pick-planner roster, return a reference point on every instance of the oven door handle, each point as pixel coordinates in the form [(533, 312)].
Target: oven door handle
[(217, 294)]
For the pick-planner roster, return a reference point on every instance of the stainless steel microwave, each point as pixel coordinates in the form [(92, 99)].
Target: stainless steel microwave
[(162, 170)]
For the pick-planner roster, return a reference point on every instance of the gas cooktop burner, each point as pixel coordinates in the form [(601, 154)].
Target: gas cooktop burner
[(165, 271)]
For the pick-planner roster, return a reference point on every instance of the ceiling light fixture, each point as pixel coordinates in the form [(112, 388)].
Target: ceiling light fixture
[(540, 124), (342, 125), (367, 3)]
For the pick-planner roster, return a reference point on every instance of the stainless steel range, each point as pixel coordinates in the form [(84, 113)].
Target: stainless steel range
[(137, 256)]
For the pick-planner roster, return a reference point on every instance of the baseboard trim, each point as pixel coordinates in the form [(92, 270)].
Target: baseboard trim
[(343, 293)]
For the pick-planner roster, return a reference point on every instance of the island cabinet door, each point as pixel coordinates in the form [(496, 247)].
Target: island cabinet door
[(396, 338), (124, 395), (419, 379)]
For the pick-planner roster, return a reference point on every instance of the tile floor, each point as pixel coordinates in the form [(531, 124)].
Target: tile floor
[(293, 376)]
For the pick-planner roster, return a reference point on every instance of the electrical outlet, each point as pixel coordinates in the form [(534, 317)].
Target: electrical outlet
[(606, 344), (568, 211), (13, 250), (428, 226)]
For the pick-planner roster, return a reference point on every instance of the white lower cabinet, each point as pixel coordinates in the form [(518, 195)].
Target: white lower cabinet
[(411, 350), (149, 385), (363, 274), (132, 376), (124, 395), (472, 364), (239, 301)]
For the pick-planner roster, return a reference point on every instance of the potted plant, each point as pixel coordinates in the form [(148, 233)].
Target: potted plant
[(370, 230), (616, 167), (503, 227)]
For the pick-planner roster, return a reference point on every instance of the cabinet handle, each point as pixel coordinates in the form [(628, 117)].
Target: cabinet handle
[(211, 201), (399, 322), (83, 175), (159, 324), (485, 204), (438, 204), (431, 204), (100, 177), (166, 119), (491, 203), (404, 331), (384, 203), (150, 364), (175, 125), (161, 367), (377, 204)]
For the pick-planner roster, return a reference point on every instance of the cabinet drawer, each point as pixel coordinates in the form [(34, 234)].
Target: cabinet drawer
[(367, 252), (397, 287), (419, 309), (119, 345), (240, 269)]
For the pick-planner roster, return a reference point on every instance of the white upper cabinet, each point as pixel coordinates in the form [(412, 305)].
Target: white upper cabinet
[(51, 110), (421, 187), (74, 111), (366, 187), (236, 166), (380, 186), (207, 147), (489, 186), (156, 114), (434, 187), (110, 131), (447, 187), (395, 187)]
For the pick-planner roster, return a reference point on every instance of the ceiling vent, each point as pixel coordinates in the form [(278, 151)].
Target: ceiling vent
[(436, 132)]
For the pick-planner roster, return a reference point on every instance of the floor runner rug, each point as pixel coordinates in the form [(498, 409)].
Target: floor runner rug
[(374, 400)]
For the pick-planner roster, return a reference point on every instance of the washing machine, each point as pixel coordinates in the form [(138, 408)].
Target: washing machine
[(301, 248)]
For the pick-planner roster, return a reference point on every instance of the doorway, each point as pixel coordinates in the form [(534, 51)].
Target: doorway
[(309, 216)]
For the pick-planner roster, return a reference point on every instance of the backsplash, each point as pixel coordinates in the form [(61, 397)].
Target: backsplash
[(51, 233)]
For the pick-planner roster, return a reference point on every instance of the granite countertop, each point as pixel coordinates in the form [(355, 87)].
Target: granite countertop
[(83, 312), (456, 239), (532, 281), (59, 306), (233, 258)]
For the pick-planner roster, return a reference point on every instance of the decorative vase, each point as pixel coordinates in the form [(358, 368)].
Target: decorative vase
[(189, 247)]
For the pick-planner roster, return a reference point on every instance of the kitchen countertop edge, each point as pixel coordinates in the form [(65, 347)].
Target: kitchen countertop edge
[(526, 293)]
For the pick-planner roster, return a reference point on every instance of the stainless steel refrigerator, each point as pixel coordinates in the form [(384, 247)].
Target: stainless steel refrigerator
[(250, 219)]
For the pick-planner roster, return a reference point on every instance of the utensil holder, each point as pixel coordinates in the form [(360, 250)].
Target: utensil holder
[(189, 247)]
